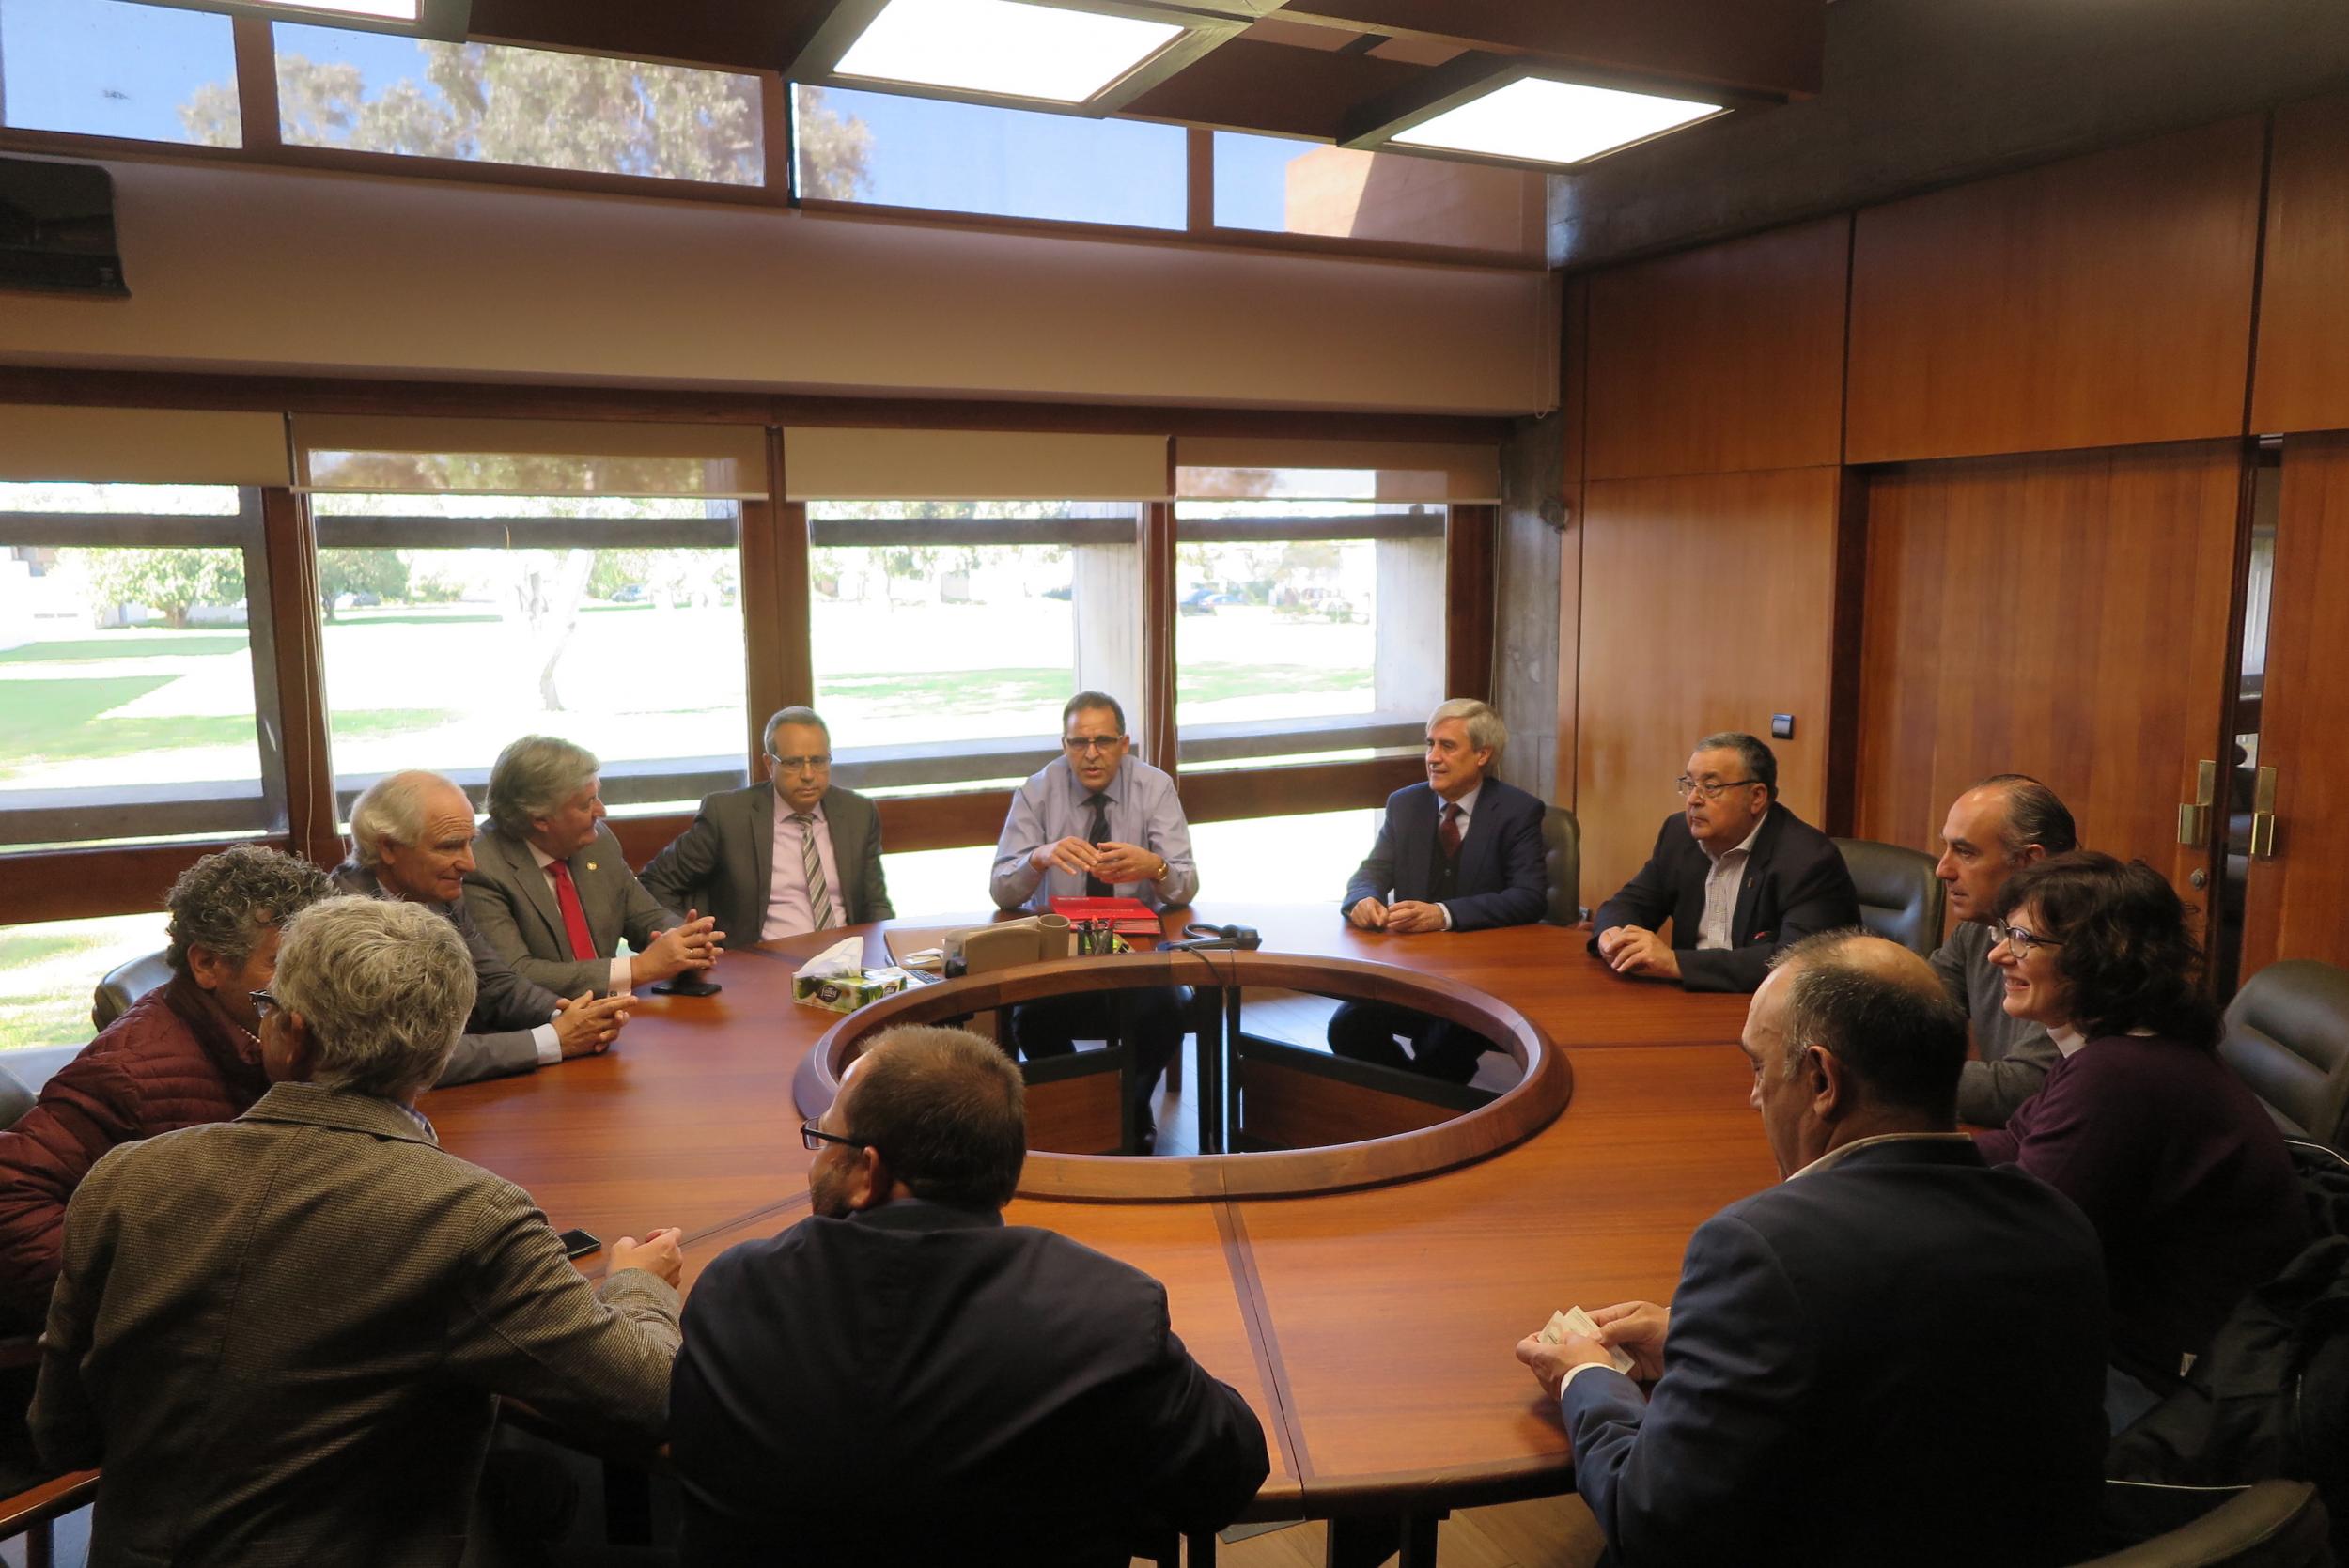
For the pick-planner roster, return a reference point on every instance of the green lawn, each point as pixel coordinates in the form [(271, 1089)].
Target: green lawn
[(47, 973)]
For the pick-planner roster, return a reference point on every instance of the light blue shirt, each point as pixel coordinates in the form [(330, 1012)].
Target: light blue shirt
[(1050, 806)]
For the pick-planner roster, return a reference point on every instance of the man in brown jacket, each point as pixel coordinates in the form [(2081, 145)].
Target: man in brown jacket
[(184, 1054), (282, 1336)]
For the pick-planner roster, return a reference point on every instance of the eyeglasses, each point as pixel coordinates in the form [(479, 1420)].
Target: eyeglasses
[(814, 1138), (1080, 744), (263, 1004), (1684, 787), (819, 763), (2019, 941)]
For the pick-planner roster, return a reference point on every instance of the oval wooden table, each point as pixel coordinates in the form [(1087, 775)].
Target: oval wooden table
[(1371, 1330)]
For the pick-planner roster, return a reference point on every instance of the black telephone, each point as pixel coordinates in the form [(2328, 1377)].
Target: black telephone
[(1201, 936)]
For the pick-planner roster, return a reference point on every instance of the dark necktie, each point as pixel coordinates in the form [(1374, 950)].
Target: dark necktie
[(812, 868), (1095, 886), (1449, 832), (574, 912)]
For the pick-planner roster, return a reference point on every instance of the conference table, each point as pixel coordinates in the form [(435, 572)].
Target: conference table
[(1371, 1328)]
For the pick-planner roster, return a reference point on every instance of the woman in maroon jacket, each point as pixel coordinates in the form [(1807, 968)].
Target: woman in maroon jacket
[(2181, 1172), (184, 1054)]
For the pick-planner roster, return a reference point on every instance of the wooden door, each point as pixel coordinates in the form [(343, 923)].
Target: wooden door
[(2296, 902), (2064, 615)]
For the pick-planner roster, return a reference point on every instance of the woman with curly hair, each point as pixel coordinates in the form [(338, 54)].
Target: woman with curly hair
[(2182, 1173)]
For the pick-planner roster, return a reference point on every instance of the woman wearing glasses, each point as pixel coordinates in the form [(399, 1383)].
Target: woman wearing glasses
[(2171, 1158)]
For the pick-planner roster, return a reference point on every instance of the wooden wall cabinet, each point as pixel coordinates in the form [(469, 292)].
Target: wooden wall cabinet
[(2301, 378)]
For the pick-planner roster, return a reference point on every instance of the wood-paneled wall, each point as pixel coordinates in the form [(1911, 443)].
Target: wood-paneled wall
[(2099, 302), (2303, 374)]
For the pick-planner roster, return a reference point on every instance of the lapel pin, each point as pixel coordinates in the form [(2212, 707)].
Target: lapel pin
[(591, 865)]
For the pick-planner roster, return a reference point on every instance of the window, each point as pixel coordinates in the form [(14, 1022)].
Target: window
[(457, 621), (948, 635), (1256, 861), (1275, 184), (491, 103), (901, 151), (128, 663), (104, 68), (49, 972)]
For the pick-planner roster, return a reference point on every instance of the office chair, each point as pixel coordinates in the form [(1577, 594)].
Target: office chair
[(2287, 1036), (1900, 897)]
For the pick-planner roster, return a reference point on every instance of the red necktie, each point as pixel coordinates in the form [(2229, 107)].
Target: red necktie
[(574, 913), (1449, 832)]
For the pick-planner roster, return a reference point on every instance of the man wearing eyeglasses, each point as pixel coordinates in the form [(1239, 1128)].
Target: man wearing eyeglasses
[(1737, 875), (1096, 823), (795, 854)]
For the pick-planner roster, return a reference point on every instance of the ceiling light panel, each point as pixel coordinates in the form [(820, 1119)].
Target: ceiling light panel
[(1003, 47), (1552, 122)]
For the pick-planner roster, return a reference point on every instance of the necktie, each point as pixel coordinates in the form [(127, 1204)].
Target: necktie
[(1449, 832), (1095, 886), (574, 912), (812, 866)]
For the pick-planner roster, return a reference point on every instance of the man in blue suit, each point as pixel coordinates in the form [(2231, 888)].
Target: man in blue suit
[(1895, 1354), (1459, 853)]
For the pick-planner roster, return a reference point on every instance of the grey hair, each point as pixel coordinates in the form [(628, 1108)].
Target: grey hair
[(393, 808), (1487, 733), (385, 987), (2034, 814), (794, 715), (534, 776), (1759, 761), (226, 901)]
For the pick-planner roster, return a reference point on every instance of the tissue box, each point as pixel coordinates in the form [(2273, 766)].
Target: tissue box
[(845, 994)]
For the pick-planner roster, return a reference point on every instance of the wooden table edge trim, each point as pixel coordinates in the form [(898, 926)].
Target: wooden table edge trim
[(1264, 1341)]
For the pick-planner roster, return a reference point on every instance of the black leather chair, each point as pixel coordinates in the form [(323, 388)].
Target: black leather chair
[(2270, 1524), (16, 1097), (125, 983), (1900, 897), (2287, 1036), (1561, 865)]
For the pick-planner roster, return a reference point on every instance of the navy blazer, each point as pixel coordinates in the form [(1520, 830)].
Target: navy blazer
[(1015, 1398), (1795, 884), (1503, 879), (1897, 1358)]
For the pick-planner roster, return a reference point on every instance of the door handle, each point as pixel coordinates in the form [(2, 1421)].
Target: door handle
[(2263, 815), (2194, 817)]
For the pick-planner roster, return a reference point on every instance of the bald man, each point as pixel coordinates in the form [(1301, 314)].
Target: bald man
[(411, 839), (1897, 1349)]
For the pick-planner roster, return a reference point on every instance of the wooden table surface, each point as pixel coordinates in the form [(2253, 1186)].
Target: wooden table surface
[(1371, 1330)]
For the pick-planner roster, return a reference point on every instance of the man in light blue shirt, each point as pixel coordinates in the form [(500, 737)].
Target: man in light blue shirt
[(1096, 823)]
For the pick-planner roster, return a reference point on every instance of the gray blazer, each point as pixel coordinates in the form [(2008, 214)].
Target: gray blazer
[(723, 863), (506, 1008), (513, 904), (282, 1337)]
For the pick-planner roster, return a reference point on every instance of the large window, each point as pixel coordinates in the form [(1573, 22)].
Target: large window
[(948, 635), (48, 973), (104, 68), (1283, 186), (127, 664)]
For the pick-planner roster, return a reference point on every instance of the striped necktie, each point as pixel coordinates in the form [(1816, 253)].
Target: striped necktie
[(812, 866)]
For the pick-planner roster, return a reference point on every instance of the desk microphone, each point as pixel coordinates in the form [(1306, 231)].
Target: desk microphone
[(1202, 937)]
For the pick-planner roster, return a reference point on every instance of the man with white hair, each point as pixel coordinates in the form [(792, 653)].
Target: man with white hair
[(1461, 852), (284, 1337), (411, 839), (551, 891)]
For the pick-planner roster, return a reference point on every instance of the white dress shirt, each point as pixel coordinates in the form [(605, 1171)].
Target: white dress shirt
[(789, 910), (623, 975), (1722, 885)]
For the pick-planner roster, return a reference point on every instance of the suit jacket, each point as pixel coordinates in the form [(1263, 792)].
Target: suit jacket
[(282, 1337), (513, 904), (1794, 883), (723, 864), (1502, 878), (1897, 1358), (1020, 1399), (507, 1010)]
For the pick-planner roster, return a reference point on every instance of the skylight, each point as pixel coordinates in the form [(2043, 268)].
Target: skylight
[(1551, 122), (1003, 47)]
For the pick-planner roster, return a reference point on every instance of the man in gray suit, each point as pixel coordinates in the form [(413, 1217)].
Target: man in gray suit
[(764, 873), (411, 839), (284, 1337), (551, 891)]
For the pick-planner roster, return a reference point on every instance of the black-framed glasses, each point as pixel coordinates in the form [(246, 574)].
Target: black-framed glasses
[(1684, 787), (1080, 744), (817, 763), (263, 1004), (2020, 942), (813, 1138)]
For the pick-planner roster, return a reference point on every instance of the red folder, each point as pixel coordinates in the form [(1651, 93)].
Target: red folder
[(1127, 917)]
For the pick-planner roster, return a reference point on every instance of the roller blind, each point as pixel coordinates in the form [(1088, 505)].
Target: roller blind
[(1245, 467), (158, 446), (530, 456), (825, 464)]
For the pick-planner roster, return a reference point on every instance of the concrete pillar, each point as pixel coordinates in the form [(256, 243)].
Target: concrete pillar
[(1106, 613), (1407, 676), (1525, 674)]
